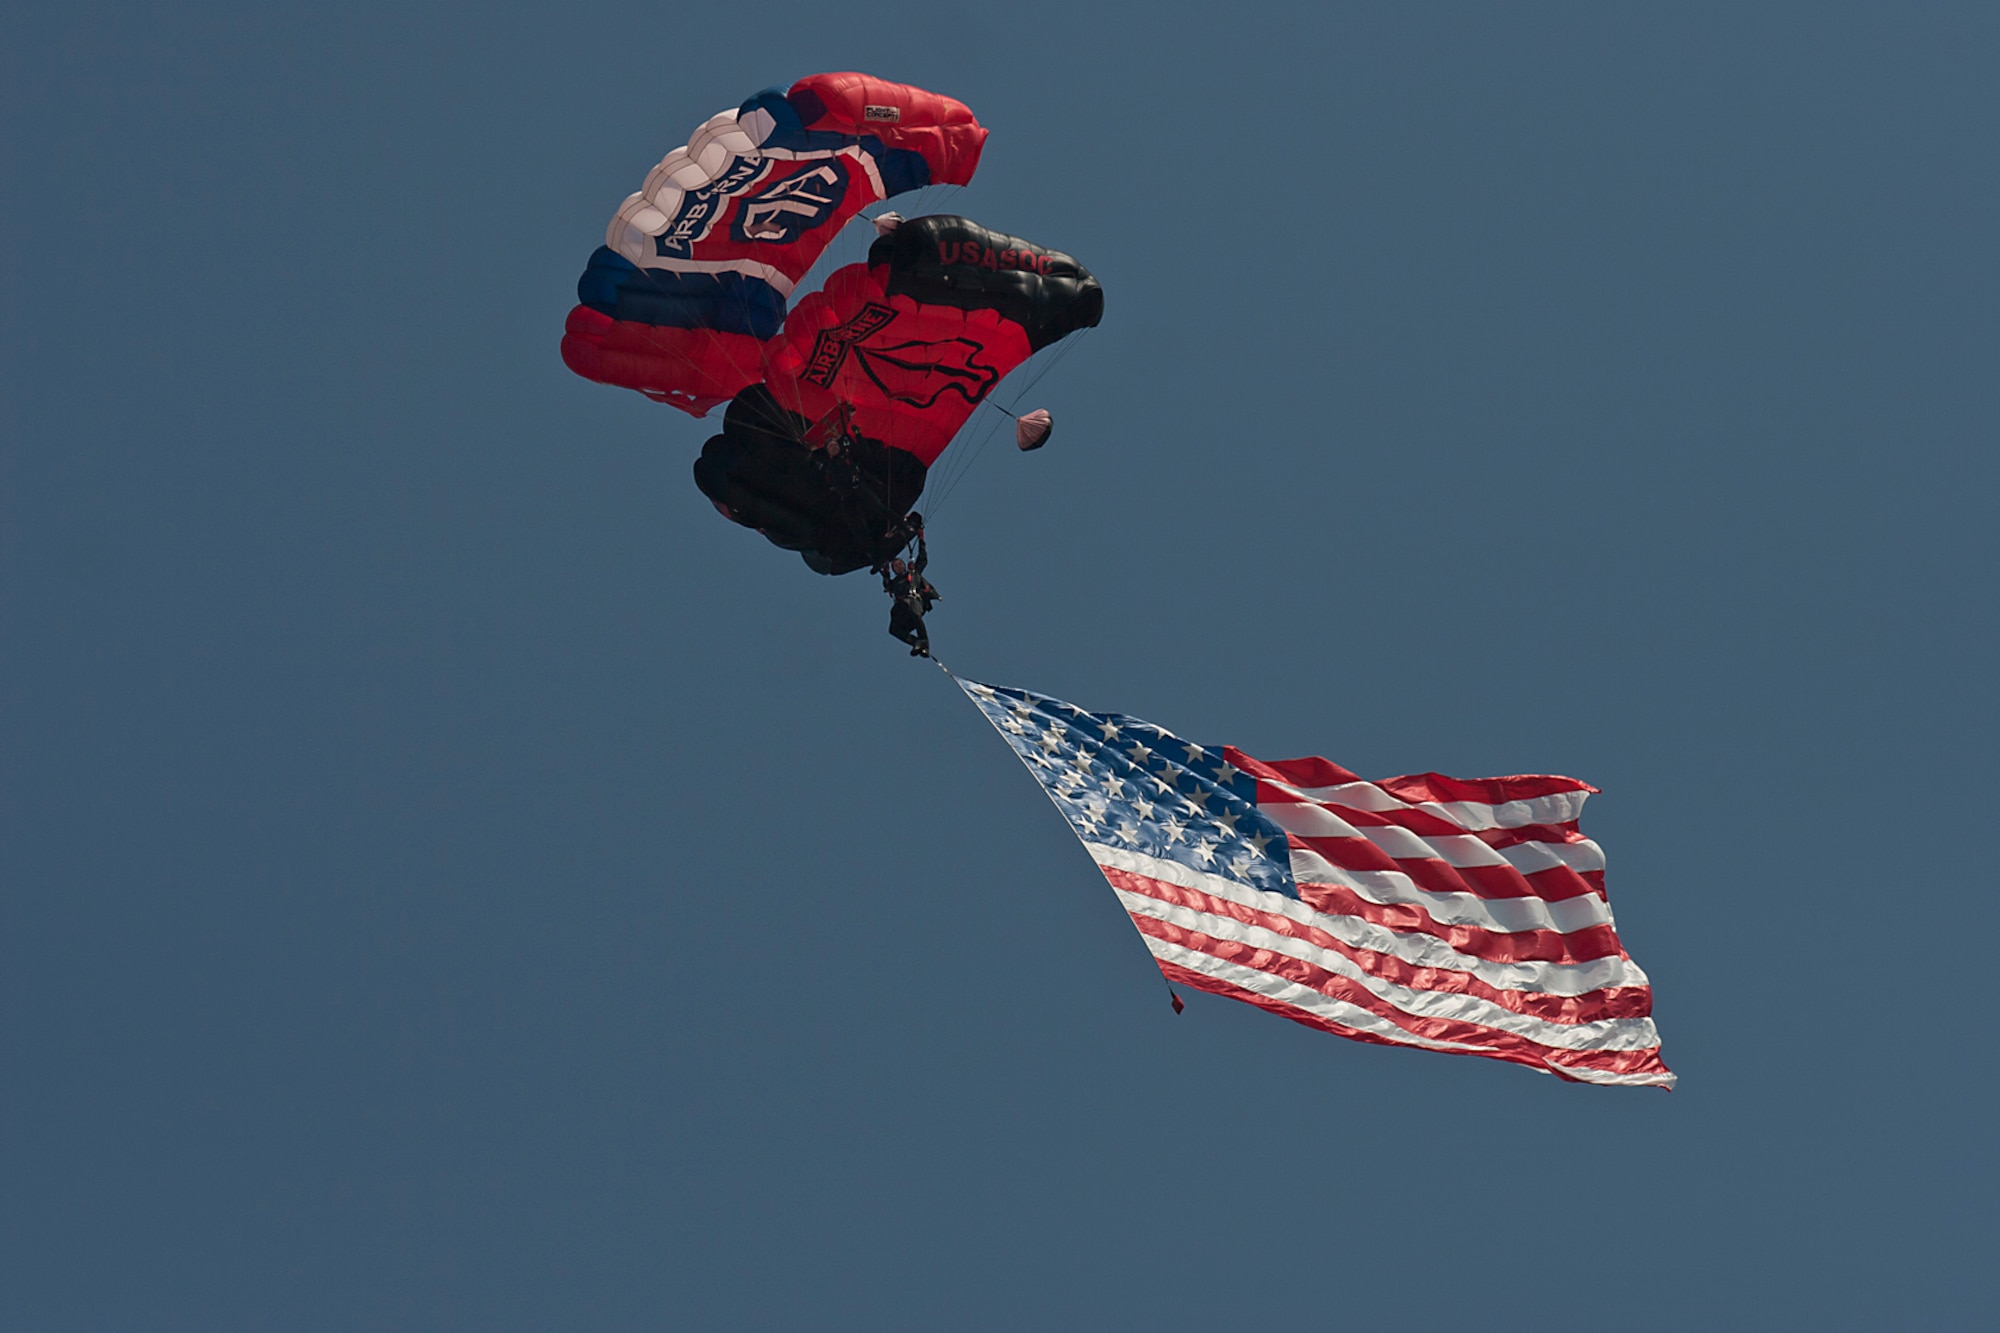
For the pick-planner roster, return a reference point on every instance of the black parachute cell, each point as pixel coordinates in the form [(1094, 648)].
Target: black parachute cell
[(953, 261), (840, 513)]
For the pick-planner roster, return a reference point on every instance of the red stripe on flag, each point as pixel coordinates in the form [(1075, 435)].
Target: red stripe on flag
[(1427, 825), (1433, 875), (1499, 946), (1348, 990), (1589, 1007), (1415, 788), (1520, 833), (1420, 787), (1293, 772), (1645, 1061)]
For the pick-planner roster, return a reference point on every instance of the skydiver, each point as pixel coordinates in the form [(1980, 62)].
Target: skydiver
[(910, 594)]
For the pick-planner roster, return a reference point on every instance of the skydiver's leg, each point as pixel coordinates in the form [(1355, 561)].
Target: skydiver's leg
[(908, 626)]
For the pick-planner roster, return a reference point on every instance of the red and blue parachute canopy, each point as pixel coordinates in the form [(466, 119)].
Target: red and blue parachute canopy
[(699, 265)]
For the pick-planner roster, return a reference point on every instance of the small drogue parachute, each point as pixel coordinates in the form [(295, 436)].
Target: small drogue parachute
[(837, 409), (1032, 429)]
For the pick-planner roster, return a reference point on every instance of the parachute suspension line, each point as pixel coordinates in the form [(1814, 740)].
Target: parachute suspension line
[(980, 442), (1063, 349), (969, 455), (977, 447), (930, 197), (959, 463)]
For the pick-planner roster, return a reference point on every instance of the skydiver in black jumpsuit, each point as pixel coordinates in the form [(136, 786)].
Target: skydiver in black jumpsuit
[(911, 595)]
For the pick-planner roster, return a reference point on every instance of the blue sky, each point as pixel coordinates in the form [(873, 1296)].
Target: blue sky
[(451, 879)]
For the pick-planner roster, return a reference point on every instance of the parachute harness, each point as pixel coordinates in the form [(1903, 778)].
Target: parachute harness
[(960, 462), (911, 595)]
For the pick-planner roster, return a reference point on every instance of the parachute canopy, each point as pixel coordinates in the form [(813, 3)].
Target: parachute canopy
[(889, 360), (698, 265), (837, 408), (916, 338)]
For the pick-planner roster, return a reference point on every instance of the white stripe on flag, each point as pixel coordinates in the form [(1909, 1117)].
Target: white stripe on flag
[(1303, 998), (1615, 1034), (1561, 808), (1418, 950), (1506, 915)]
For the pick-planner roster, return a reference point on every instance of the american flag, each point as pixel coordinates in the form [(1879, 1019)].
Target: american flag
[(1425, 911)]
